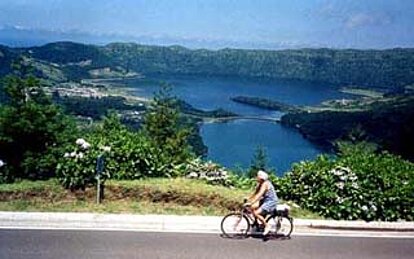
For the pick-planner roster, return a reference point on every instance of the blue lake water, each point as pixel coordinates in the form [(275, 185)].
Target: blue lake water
[(233, 143)]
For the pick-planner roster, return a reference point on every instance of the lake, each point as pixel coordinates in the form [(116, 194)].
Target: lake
[(233, 143)]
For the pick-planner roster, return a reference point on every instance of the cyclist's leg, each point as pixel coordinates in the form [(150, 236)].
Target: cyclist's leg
[(265, 210), (260, 214)]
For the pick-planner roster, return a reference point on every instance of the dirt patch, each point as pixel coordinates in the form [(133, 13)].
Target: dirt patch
[(47, 195), (29, 195)]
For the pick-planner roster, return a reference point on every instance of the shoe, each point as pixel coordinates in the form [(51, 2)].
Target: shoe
[(266, 230)]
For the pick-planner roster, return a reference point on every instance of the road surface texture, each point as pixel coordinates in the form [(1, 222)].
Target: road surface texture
[(64, 244)]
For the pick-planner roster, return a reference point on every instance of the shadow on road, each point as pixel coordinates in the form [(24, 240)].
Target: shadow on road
[(266, 238)]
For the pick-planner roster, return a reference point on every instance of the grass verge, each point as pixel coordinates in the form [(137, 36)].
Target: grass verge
[(150, 196)]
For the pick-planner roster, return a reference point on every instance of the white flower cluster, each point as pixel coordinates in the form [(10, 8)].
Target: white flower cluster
[(344, 174), (2, 163), (82, 143), (74, 155), (340, 185), (370, 206), (208, 171), (105, 148), (339, 200)]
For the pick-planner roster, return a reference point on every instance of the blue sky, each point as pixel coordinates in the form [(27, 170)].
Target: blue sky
[(225, 23)]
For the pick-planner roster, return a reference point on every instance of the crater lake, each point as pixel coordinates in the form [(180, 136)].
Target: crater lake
[(233, 143)]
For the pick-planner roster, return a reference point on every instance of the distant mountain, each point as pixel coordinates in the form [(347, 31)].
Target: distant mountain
[(15, 36), (370, 68)]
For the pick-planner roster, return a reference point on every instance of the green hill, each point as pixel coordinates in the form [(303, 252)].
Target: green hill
[(387, 69), (389, 122), (7, 55)]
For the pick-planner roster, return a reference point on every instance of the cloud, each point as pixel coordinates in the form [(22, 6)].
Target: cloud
[(330, 10), (327, 11), (352, 16), (367, 19)]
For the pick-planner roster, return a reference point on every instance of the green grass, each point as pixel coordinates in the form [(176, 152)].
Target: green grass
[(119, 207), (26, 185), (188, 197), (185, 186)]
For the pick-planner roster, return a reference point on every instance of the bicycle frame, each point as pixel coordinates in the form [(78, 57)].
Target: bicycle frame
[(253, 221)]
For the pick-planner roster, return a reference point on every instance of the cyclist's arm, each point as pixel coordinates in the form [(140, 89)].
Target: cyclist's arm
[(256, 190), (259, 194)]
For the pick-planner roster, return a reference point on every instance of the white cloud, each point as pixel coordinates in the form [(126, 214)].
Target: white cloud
[(327, 11), (352, 16), (367, 19)]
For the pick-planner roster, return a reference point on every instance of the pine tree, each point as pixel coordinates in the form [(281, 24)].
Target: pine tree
[(161, 125), (259, 162)]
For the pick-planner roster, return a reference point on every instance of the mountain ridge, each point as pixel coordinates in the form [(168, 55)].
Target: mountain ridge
[(387, 69)]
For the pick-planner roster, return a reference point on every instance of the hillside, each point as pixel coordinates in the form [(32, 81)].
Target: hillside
[(387, 69), (7, 55), (389, 122)]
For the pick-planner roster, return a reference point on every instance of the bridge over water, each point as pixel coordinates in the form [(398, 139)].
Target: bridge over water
[(244, 117)]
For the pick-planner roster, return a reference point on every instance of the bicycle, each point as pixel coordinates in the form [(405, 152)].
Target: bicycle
[(238, 224)]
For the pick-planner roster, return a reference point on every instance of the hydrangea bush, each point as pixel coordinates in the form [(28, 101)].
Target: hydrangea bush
[(210, 172), (128, 155), (77, 169), (358, 184)]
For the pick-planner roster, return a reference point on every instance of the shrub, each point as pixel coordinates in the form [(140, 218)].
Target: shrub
[(208, 171), (5, 176), (358, 184), (129, 155), (78, 167)]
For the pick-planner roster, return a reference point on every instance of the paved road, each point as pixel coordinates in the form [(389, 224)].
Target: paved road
[(65, 244)]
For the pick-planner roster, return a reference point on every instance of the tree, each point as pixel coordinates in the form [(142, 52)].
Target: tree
[(162, 126), (31, 129), (259, 162)]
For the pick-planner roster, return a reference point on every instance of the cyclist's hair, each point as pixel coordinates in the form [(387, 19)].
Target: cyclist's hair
[(262, 175)]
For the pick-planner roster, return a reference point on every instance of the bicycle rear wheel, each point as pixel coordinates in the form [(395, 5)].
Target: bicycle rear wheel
[(235, 225), (281, 225)]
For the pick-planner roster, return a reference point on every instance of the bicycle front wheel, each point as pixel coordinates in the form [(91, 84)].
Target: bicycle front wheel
[(235, 225)]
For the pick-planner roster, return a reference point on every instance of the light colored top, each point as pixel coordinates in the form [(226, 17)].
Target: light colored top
[(269, 200)]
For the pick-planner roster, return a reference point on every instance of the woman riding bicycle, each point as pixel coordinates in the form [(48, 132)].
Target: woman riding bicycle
[(264, 200)]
